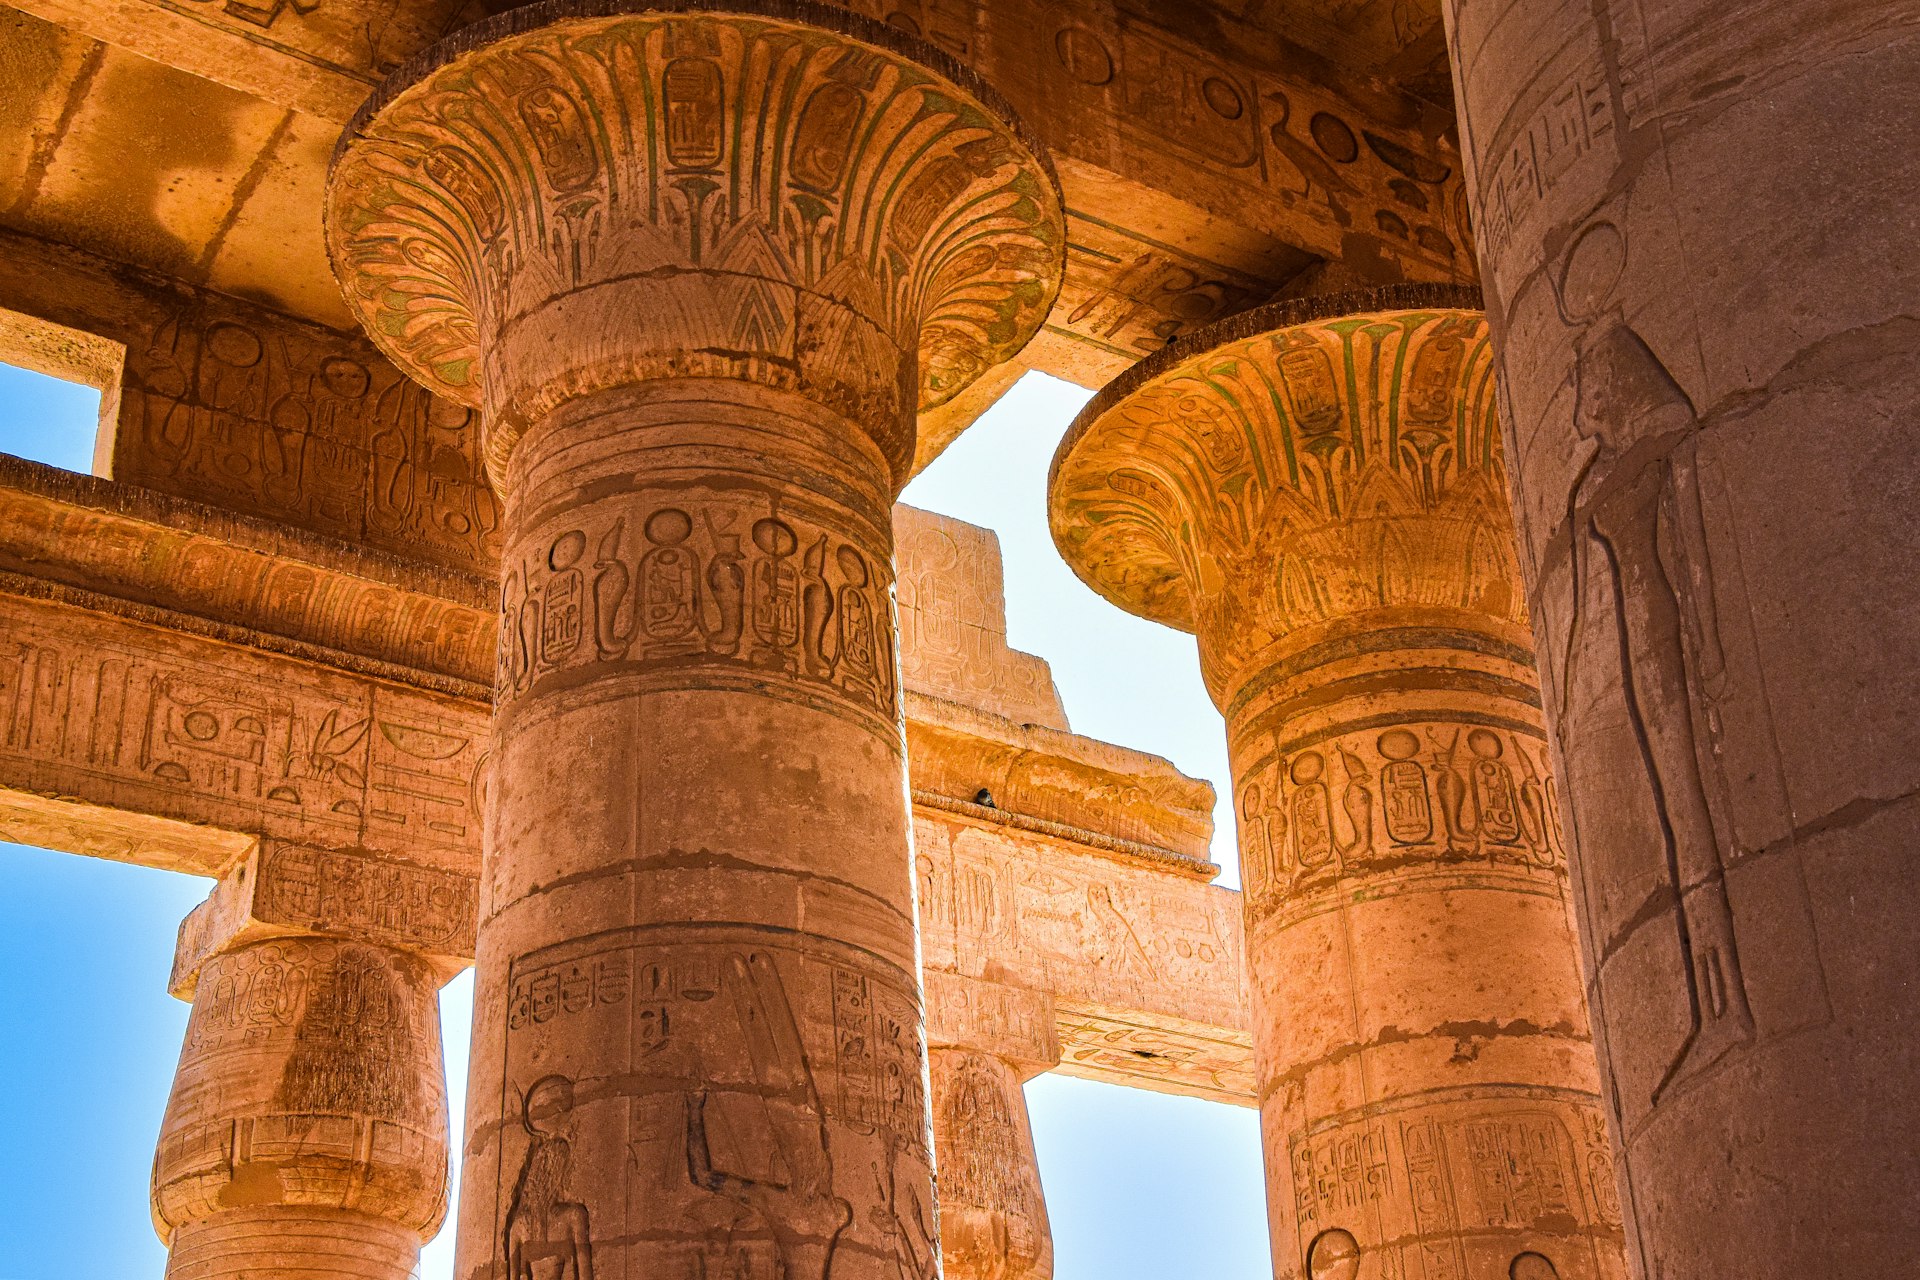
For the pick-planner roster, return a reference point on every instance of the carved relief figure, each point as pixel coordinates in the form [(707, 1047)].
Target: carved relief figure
[(800, 1208), (1646, 525), (548, 1234)]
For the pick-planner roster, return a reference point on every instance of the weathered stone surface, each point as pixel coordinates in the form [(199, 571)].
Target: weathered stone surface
[(126, 715), (1085, 810), (241, 407), (993, 1214), (1696, 221), (953, 622), (306, 1134), (700, 270), (1210, 152), (1316, 490), (285, 890)]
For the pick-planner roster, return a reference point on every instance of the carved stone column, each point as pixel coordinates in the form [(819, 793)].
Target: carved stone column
[(306, 1134), (699, 269), (985, 1040), (1316, 491), (1696, 227), (993, 1213)]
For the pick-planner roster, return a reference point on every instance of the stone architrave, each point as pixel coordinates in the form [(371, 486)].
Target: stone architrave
[(306, 1133), (288, 707), (699, 267), (1696, 221), (1317, 492)]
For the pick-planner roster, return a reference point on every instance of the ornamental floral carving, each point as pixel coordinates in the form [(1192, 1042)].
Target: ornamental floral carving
[(821, 205), (1268, 476)]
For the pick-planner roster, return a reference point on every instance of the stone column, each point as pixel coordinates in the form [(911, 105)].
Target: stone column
[(1696, 224), (699, 269), (1316, 491), (985, 1040), (993, 1214), (306, 1134)]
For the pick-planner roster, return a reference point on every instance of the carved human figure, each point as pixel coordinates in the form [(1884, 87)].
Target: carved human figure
[(1354, 590), (699, 388), (1643, 523), (547, 1229), (799, 1207), (993, 1213)]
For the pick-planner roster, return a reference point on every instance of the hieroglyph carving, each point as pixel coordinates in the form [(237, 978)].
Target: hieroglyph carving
[(811, 214), (741, 1132), (316, 1061), (233, 406), (1415, 794), (1445, 1185), (1312, 471), (288, 888), (214, 734), (725, 583)]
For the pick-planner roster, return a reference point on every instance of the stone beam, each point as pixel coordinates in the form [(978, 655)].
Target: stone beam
[(137, 713), (1206, 160), (187, 689), (233, 404)]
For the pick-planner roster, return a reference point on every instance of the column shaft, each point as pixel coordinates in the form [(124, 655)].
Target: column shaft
[(1316, 490), (699, 903), (1695, 221), (1427, 1084)]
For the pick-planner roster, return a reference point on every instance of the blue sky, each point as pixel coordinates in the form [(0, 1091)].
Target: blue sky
[(1140, 1186)]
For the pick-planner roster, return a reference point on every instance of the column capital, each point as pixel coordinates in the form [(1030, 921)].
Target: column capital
[(581, 195), (1303, 471)]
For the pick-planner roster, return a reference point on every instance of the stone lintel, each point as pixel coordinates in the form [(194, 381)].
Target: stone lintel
[(1163, 1053), (52, 820), (200, 744), (138, 552), (290, 427), (286, 889), (1142, 969)]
